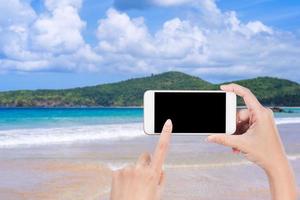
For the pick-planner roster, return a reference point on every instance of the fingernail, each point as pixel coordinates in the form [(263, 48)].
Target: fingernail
[(168, 123)]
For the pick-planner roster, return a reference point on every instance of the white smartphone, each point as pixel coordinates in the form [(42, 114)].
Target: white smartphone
[(193, 112)]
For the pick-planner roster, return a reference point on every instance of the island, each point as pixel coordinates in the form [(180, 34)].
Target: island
[(270, 91)]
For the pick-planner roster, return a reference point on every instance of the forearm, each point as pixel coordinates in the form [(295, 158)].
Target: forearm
[(282, 182)]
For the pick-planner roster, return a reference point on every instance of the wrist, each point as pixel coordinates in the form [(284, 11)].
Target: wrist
[(281, 172), (282, 181), (278, 167)]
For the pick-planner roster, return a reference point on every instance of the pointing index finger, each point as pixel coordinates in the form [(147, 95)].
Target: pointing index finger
[(162, 146)]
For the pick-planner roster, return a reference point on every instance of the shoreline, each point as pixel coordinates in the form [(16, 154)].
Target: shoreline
[(100, 107), (67, 107)]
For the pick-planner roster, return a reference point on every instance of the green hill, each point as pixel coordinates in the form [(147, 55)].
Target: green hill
[(270, 91), (274, 91)]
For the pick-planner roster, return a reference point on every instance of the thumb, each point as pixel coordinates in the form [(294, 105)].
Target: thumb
[(233, 141)]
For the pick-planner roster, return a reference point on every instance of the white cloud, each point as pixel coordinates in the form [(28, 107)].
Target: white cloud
[(179, 39), (15, 65), (119, 33), (170, 2), (15, 18), (250, 29), (50, 41), (59, 31), (258, 27), (227, 46), (207, 42), (131, 41), (54, 4), (15, 12)]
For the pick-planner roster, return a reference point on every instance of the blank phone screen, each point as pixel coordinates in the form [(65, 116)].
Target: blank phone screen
[(191, 112)]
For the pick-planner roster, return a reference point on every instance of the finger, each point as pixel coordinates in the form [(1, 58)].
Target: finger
[(249, 98), (243, 115), (162, 178), (116, 175), (243, 118), (128, 169), (233, 141), (116, 183), (161, 185), (144, 160), (162, 146)]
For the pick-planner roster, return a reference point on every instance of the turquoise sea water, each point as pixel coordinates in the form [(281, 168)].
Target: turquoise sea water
[(44, 126), (13, 118)]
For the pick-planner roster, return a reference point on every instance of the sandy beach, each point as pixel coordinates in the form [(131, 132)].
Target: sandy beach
[(194, 168)]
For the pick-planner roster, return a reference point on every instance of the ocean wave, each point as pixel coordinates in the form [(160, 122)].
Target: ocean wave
[(84, 133), (293, 157), (288, 120), (46, 136)]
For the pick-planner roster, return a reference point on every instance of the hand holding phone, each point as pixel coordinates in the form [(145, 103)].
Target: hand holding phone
[(257, 137)]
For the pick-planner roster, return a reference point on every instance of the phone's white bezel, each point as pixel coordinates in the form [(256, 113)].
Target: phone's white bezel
[(149, 110)]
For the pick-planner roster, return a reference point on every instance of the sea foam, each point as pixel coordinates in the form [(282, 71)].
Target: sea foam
[(84, 133), (46, 136), (288, 120)]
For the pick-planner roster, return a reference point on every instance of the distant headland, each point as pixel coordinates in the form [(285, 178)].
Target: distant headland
[(270, 91)]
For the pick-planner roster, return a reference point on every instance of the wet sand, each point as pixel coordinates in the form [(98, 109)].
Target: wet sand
[(194, 168)]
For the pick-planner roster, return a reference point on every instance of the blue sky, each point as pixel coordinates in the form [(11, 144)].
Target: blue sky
[(75, 43)]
